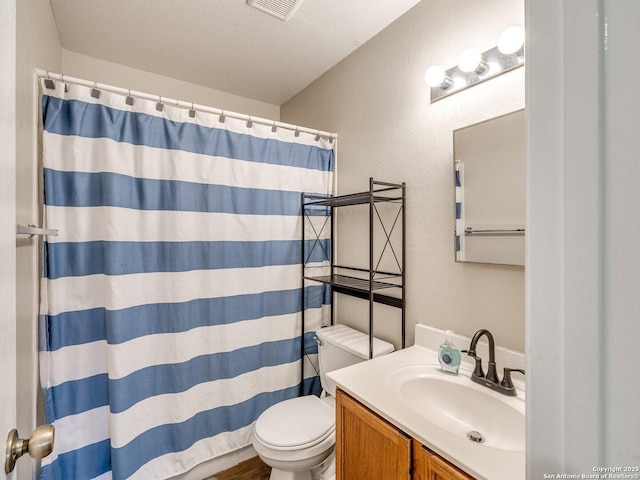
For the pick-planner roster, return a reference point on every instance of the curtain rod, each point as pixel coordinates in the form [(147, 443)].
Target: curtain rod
[(193, 106)]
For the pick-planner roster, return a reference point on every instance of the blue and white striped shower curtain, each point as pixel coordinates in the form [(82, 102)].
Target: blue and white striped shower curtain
[(170, 314)]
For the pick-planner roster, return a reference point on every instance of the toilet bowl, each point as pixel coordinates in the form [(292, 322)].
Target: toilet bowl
[(297, 435)]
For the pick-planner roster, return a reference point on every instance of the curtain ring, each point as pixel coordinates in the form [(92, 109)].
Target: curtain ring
[(66, 87), (192, 112), (221, 118), (159, 105), (274, 129), (249, 122), (129, 100), (48, 83), (95, 93)]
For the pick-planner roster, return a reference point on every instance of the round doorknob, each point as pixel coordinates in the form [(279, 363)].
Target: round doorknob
[(41, 441), (38, 445)]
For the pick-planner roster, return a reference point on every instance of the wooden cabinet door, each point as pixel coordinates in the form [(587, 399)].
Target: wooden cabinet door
[(429, 466), (420, 460), (367, 446)]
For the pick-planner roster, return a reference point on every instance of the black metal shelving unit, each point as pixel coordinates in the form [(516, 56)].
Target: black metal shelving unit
[(371, 284)]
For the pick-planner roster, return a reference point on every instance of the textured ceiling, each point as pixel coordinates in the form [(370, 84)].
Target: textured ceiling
[(224, 44)]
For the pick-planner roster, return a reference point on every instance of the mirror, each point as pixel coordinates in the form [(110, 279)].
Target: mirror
[(489, 163)]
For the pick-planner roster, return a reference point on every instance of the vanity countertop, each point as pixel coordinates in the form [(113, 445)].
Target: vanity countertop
[(371, 384)]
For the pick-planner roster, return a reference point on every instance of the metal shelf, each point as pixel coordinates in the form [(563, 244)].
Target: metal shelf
[(359, 287), (363, 198), (371, 281), (352, 282)]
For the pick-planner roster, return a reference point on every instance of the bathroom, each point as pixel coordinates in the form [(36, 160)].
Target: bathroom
[(377, 102)]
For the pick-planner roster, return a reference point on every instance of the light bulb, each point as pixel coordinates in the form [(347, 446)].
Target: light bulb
[(470, 60), (435, 76), (511, 40)]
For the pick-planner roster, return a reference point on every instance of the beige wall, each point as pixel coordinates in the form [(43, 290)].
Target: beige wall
[(89, 68), (37, 46), (377, 102)]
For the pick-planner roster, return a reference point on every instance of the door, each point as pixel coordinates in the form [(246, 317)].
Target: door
[(368, 447), (7, 221)]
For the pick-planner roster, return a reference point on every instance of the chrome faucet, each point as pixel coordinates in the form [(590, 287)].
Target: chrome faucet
[(491, 378)]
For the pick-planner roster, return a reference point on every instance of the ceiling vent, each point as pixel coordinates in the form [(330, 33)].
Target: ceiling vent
[(282, 9)]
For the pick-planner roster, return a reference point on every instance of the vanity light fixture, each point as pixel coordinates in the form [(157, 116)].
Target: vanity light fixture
[(475, 67), (435, 76), (511, 40), (471, 61)]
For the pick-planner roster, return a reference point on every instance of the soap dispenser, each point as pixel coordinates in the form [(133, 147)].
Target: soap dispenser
[(449, 356)]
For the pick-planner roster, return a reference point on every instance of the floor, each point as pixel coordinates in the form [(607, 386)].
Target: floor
[(252, 469)]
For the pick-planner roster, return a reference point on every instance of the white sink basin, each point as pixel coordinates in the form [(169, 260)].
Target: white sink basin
[(460, 406)]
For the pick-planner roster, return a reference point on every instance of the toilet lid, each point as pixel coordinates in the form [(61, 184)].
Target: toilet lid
[(296, 422)]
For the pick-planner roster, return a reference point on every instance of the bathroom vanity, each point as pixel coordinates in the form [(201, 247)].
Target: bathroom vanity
[(367, 446), (399, 417)]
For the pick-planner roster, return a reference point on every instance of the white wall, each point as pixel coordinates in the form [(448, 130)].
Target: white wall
[(619, 325), (377, 102), (37, 46), (583, 262), (93, 69)]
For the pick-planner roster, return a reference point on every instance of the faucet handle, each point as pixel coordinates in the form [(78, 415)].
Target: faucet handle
[(506, 379), (477, 371)]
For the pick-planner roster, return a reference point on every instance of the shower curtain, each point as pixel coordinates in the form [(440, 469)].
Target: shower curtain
[(459, 193), (170, 312)]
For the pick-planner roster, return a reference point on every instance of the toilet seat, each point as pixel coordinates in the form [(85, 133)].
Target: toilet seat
[(295, 424)]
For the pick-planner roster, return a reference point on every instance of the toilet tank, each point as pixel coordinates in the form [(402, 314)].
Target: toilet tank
[(340, 346)]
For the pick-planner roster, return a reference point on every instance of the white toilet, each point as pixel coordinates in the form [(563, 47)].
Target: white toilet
[(297, 435)]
